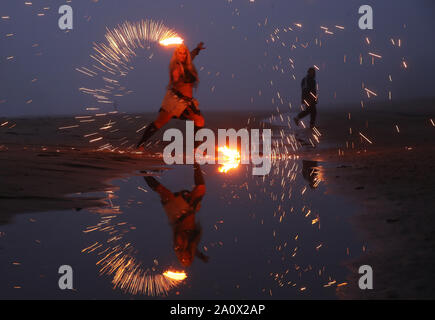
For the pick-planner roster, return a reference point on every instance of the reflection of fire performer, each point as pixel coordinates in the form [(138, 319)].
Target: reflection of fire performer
[(179, 102), (181, 208), (310, 172)]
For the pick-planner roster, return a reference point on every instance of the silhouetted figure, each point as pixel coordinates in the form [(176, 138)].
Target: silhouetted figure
[(310, 172), (178, 101), (181, 208), (309, 97)]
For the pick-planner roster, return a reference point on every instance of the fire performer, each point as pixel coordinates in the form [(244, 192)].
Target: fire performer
[(309, 98), (178, 101), (181, 208)]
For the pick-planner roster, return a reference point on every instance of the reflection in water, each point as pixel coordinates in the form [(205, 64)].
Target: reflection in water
[(181, 208), (230, 160), (273, 236), (311, 173), (129, 274), (175, 275), (284, 218), (118, 257)]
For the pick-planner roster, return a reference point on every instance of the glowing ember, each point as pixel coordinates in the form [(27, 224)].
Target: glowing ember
[(231, 159), (171, 41), (174, 275)]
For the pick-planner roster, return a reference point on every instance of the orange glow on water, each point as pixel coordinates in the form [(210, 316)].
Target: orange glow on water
[(231, 159)]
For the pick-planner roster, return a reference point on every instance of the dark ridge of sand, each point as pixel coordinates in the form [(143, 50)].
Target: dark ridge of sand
[(37, 180)]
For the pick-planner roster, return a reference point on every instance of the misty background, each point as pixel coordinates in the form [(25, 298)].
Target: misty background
[(242, 67)]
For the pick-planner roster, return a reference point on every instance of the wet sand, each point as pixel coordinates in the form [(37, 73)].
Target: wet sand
[(393, 179), (45, 168)]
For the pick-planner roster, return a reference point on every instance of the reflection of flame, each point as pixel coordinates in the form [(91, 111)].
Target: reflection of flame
[(231, 159), (174, 275), (169, 41)]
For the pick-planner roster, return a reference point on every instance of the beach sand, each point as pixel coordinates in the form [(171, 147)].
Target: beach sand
[(46, 163), (45, 166), (393, 179)]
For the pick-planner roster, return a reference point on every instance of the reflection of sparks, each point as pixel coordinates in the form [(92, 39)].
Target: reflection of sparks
[(367, 139), (130, 276), (117, 259), (174, 275), (231, 159), (171, 41)]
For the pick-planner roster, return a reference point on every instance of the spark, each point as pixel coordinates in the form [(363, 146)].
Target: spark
[(375, 55), (69, 127), (367, 139), (369, 92)]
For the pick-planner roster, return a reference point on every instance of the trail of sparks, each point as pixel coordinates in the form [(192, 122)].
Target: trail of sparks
[(114, 58)]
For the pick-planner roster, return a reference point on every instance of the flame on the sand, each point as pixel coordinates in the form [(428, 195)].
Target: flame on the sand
[(171, 41), (175, 275), (231, 159)]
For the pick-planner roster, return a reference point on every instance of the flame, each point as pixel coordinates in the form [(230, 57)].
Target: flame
[(170, 41), (231, 159), (175, 275)]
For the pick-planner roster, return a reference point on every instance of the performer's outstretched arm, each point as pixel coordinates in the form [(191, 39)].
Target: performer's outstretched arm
[(196, 51), (202, 256)]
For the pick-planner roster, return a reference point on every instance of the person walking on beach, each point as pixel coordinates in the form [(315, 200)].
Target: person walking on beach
[(309, 98), (181, 208), (178, 101)]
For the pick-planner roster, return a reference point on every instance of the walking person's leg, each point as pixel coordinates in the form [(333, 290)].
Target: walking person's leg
[(313, 116), (304, 113), (301, 115)]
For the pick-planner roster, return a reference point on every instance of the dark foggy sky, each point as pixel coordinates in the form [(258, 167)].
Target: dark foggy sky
[(235, 34)]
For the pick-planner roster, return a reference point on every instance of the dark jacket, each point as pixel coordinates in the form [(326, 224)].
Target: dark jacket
[(309, 90)]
